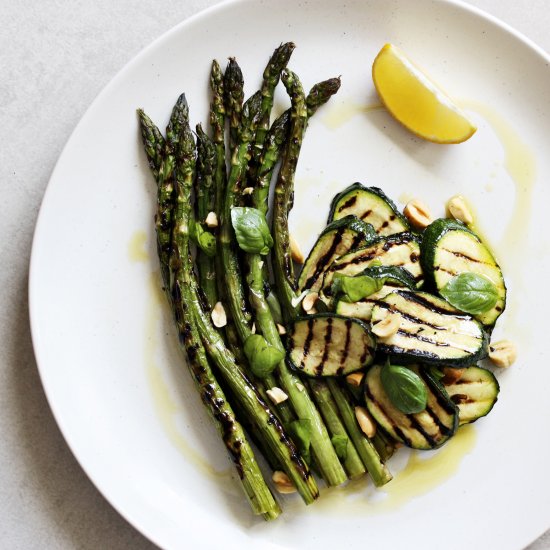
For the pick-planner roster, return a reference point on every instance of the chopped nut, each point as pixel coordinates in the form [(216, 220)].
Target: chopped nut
[(283, 484), (277, 395), (260, 264), (365, 421), (388, 326), (248, 190), (211, 220), (418, 214), (503, 353), (219, 317), (300, 386), (451, 375), (308, 303), (280, 329), (459, 210), (295, 251), (296, 300), (355, 379), (253, 328)]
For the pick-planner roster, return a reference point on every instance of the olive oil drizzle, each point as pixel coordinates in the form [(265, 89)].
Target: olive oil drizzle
[(167, 409)]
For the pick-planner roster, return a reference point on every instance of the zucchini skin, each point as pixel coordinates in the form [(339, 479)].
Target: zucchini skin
[(318, 261), (357, 260), (351, 192), (355, 224), (432, 237), (425, 430), (325, 365), (474, 380), (396, 277)]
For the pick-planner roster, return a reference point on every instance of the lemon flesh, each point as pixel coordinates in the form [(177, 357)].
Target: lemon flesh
[(417, 102)]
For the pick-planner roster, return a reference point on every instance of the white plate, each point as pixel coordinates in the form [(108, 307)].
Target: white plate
[(105, 343)]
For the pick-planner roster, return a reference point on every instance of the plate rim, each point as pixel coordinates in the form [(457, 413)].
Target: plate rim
[(33, 279)]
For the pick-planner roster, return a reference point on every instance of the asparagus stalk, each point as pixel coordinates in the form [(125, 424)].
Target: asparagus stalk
[(233, 97), (230, 264), (257, 492), (320, 93), (273, 143), (276, 138), (301, 109), (370, 457), (204, 193), (183, 283), (153, 143), (384, 445), (321, 393), (217, 123), (283, 268), (323, 451), (163, 166), (272, 73), (266, 423)]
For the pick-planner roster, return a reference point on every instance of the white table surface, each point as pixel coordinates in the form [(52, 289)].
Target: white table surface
[(55, 56)]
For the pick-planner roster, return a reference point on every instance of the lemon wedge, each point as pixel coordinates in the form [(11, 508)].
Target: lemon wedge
[(417, 102)]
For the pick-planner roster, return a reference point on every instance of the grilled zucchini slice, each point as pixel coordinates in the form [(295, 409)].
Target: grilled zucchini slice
[(449, 248), (474, 393), (329, 345), (336, 239), (431, 330), (401, 250), (425, 430), (395, 277), (371, 205)]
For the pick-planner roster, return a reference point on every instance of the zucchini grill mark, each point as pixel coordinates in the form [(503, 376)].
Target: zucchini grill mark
[(431, 330), (321, 345)]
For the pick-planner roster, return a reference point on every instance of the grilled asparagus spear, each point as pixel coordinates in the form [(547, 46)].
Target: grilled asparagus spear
[(166, 171)]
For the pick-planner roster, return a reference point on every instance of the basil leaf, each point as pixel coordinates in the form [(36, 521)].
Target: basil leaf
[(301, 433), (353, 289), (263, 357), (206, 241), (340, 444), (251, 230), (470, 292), (405, 388)]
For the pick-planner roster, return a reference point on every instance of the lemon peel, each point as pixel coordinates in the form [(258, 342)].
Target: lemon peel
[(416, 101)]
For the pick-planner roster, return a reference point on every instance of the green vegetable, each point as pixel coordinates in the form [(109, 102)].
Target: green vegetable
[(471, 293), (205, 240), (263, 357), (369, 455), (302, 431), (177, 170), (371, 205), (274, 307), (442, 258), (251, 230), (435, 332), (340, 444), (353, 289), (233, 85), (427, 430), (301, 109), (405, 388)]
